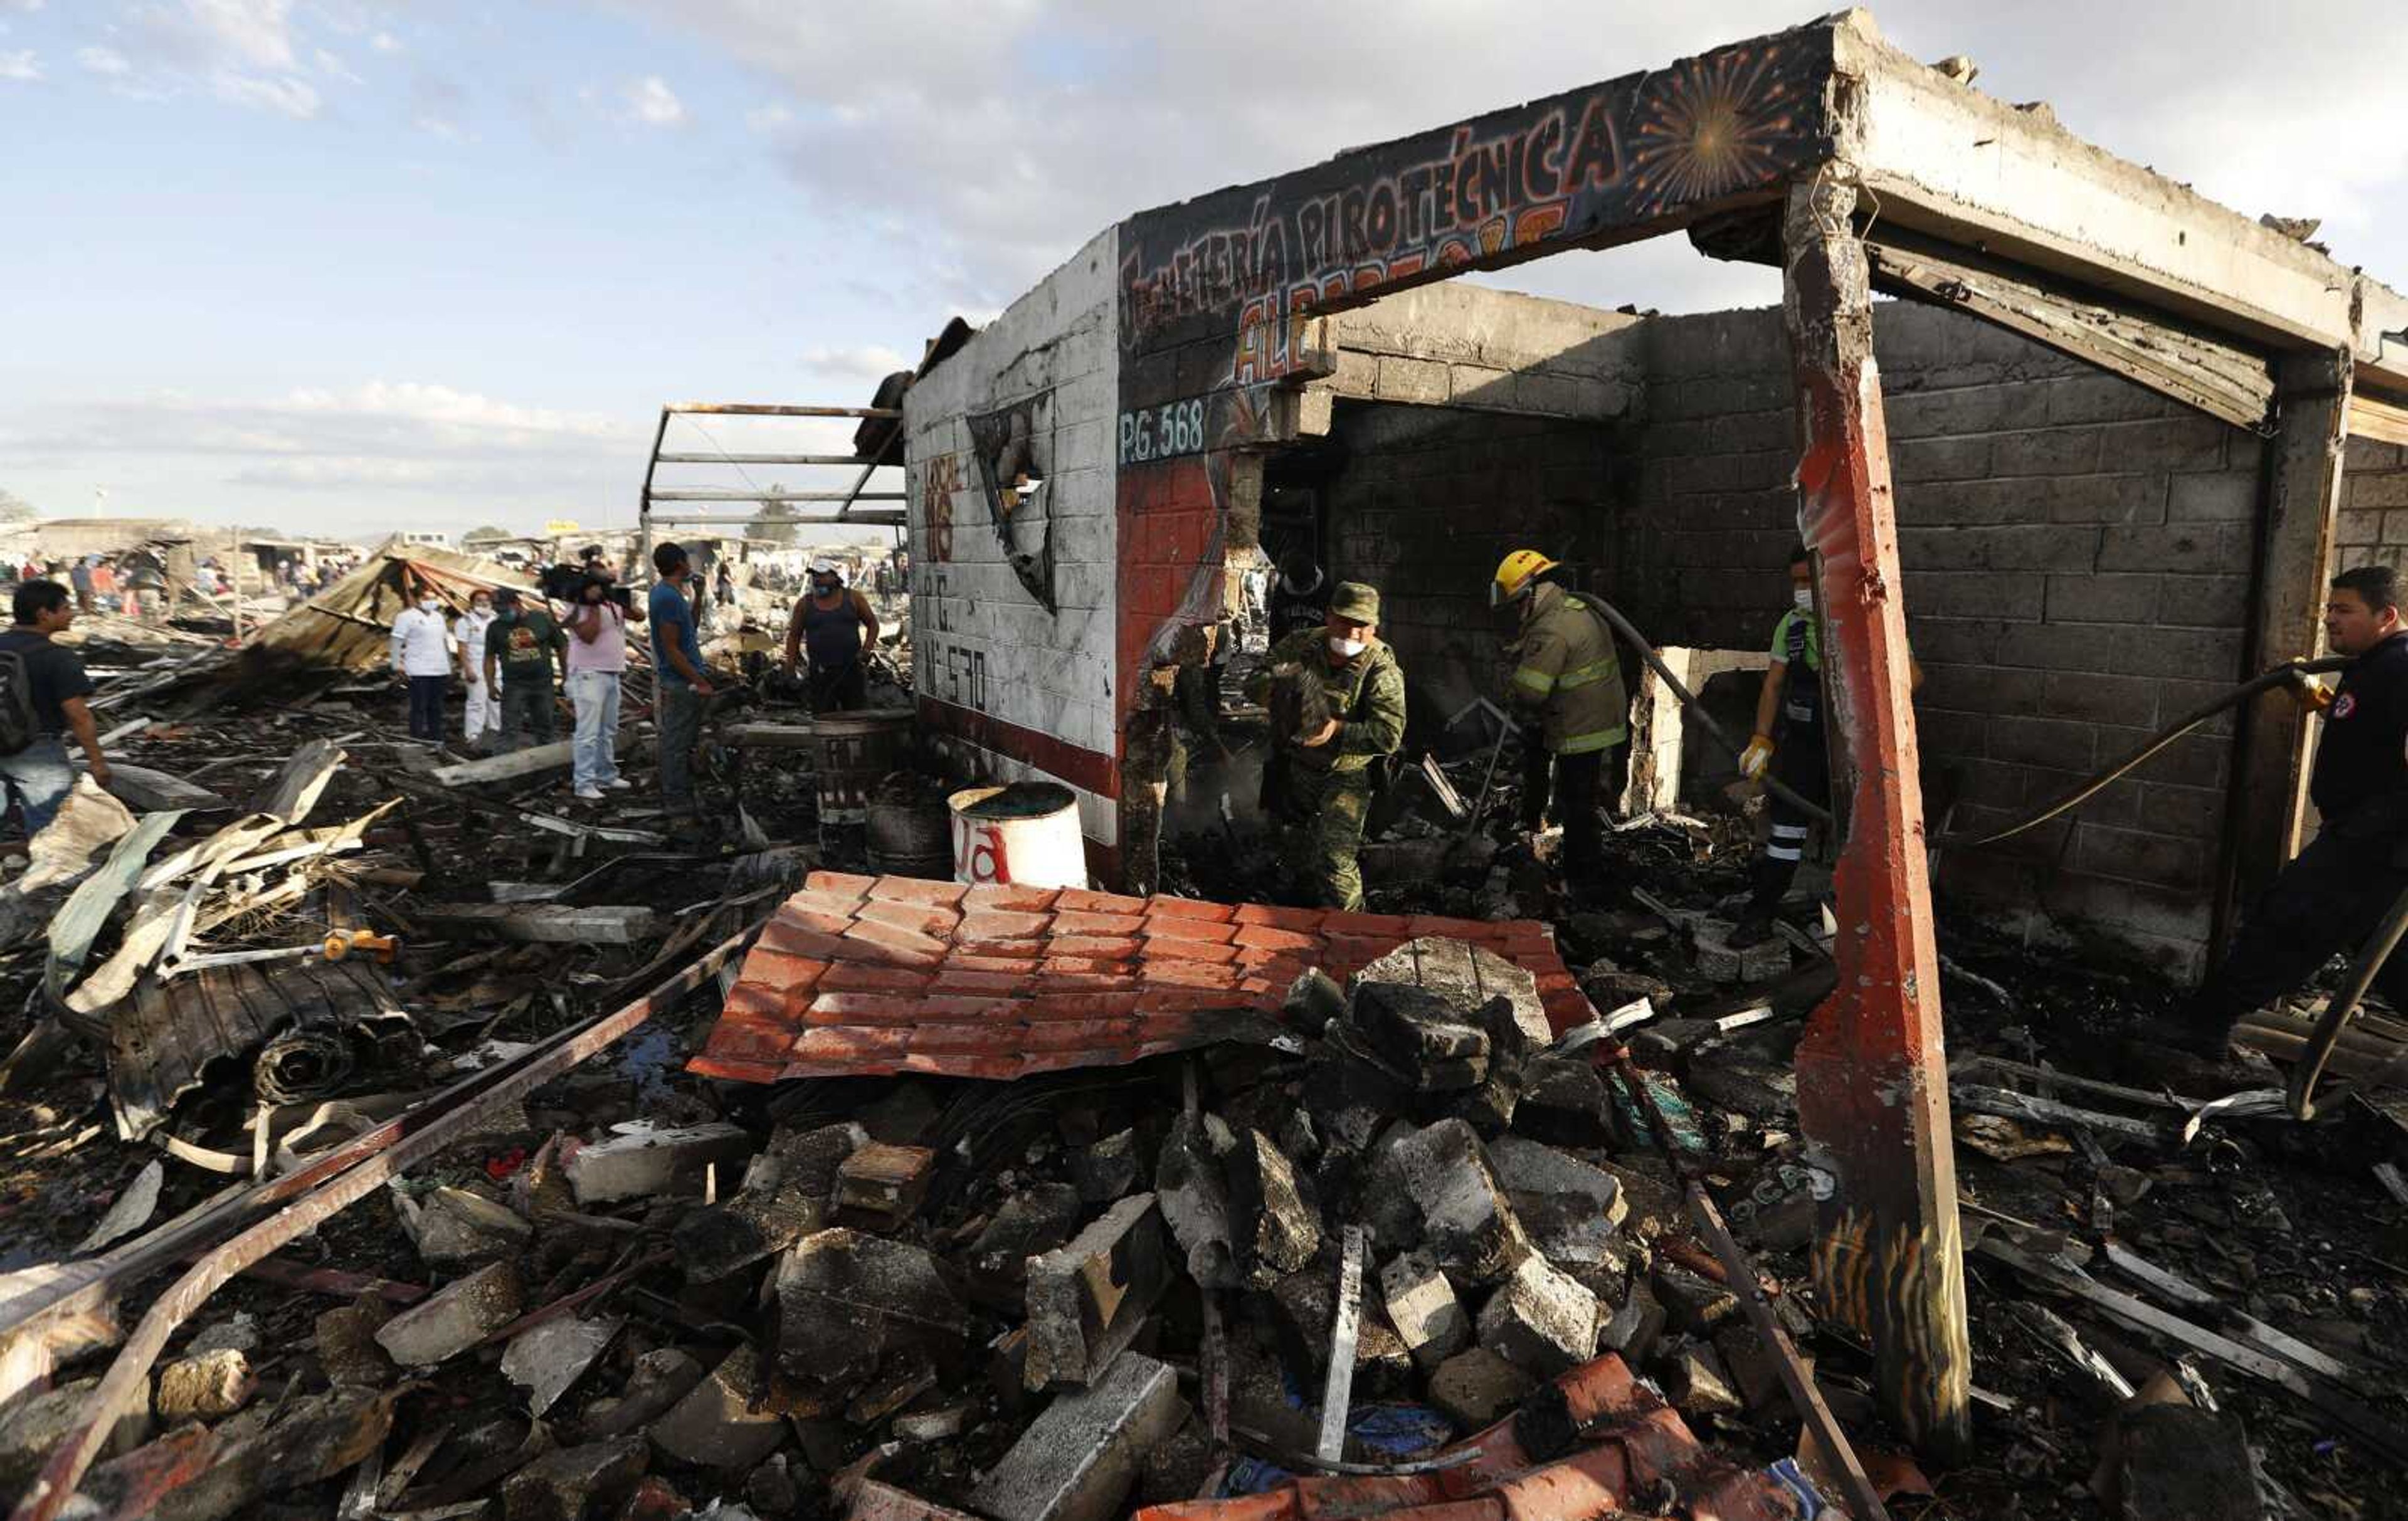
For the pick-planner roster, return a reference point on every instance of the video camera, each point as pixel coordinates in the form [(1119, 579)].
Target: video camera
[(568, 584)]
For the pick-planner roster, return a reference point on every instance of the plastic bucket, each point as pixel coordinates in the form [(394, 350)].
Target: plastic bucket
[(1026, 833), (911, 838), (855, 750)]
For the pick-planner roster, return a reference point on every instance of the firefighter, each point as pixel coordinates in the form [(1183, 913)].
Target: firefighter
[(1788, 743), (2334, 895), (1566, 688), (1319, 787)]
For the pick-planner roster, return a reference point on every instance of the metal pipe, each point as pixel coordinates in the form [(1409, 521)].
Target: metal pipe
[(746, 408), (2370, 961), (722, 494)]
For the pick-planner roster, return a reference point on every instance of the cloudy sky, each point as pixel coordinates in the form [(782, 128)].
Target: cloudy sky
[(351, 266)]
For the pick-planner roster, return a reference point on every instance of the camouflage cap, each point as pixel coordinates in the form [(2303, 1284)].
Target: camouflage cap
[(1356, 602)]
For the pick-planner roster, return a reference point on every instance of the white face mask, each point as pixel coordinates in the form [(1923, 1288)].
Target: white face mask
[(428, 604), (1803, 597), (1347, 649), (482, 609)]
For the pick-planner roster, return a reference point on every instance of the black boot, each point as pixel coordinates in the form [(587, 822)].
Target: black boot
[(1766, 883)]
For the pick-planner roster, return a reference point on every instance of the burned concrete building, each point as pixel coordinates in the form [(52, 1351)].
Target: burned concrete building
[(2114, 415)]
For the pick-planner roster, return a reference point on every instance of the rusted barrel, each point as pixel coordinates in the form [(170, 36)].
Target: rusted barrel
[(855, 750)]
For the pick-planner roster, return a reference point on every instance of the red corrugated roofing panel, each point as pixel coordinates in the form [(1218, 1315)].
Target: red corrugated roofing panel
[(867, 976)]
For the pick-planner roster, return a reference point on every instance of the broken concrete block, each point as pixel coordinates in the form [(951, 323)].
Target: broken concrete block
[(1693, 1302), (454, 1318), (943, 1425), (572, 1483), (1418, 1034), (880, 1187), (1467, 977), (1755, 1368), (1078, 1460), (1313, 1001), (660, 1379), (237, 1334), (845, 1299), (648, 1160), (1195, 1202), (1030, 1223), (347, 1346), (1089, 1297), (1423, 1307), (1697, 1382), (720, 1423), (1664, 1046), (1635, 1328), (1106, 1171), (1466, 1219), (1475, 1388), (1733, 1076), (32, 1424), (1277, 1231), (1540, 1320), (545, 1358), (1562, 1103), (900, 1379), (2179, 1463), (202, 1389), (788, 1192), (1652, 1206), (1568, 1208), (454, 1229), (875, 1501), (1720, 961), (654, 1499), (784, 1488), (267, 1449), (1304, 1310)]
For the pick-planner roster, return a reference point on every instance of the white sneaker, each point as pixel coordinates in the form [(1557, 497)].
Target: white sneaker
[(592, 794), (619, 784)]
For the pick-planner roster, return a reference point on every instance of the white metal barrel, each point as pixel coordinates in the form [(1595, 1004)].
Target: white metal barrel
[(1026, 834)]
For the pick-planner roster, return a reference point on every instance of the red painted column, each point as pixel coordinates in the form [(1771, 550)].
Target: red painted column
[(1872, 1078)]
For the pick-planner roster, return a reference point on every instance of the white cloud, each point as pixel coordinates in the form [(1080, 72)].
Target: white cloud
[(19, 65), (767, 118), (258, 32), (296, 98), (867, 361), (385, 42), (651, 102), (442, 127), (107, 61), (334, 68)]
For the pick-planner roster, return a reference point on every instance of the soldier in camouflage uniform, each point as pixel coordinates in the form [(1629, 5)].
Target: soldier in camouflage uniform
[(1321, 786)]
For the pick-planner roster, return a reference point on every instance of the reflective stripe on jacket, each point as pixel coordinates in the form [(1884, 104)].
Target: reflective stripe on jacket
[(1569, 673)]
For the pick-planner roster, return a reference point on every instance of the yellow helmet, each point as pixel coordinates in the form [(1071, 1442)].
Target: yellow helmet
[(1514, 575)]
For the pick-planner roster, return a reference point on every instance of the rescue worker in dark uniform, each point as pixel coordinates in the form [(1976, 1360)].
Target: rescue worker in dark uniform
[(834, 625), (1789, 744), (1323, 783), (1299, 596), (2331, 896)]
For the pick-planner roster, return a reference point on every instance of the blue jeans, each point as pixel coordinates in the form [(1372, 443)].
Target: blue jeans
[(39, 778), (593, 752), (680, 717)]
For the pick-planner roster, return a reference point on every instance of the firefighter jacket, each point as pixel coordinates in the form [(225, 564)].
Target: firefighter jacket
[(1569, 676)]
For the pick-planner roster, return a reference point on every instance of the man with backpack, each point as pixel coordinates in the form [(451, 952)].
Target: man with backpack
[(42, 690)]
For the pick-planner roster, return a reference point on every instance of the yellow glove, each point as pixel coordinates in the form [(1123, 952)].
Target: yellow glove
[(1756, 757), (2312, 695)]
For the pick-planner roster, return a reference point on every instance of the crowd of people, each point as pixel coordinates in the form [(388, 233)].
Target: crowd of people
[(134, 583), (516, 654)]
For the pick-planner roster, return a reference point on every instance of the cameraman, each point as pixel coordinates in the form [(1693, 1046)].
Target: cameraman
[(598, 659)]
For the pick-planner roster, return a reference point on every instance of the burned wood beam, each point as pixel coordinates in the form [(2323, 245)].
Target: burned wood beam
[(2212, 376), (1872, 1083), (503, 768)]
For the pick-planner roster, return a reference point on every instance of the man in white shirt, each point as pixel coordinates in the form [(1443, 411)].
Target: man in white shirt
[(484, 716), (422, 654)]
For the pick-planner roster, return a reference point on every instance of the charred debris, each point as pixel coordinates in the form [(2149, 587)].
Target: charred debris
[(1480, 1199)]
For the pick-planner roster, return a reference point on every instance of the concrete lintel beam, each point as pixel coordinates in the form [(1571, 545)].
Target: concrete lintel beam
[(1946, 159)]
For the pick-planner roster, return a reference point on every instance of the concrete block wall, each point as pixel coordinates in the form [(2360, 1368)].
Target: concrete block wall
[(1009, 688), (2374, 522), (2077, 554), (1431, 498)]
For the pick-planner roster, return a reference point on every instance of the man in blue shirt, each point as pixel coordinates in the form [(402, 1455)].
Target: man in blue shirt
[(678, 673)]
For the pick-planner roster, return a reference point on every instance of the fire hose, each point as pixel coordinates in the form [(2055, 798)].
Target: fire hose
[(2378, 947)]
